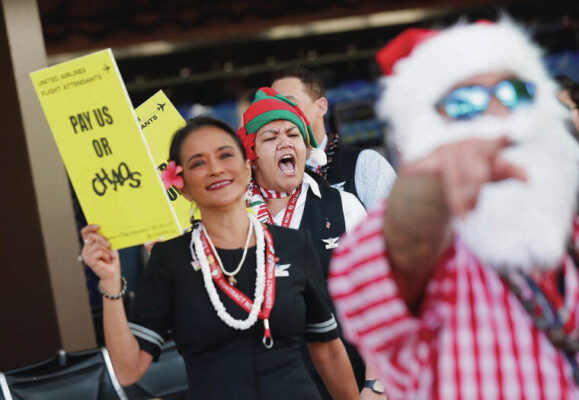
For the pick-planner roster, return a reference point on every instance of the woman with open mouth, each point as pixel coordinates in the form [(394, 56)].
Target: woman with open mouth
[(277, 136), (237, 316)]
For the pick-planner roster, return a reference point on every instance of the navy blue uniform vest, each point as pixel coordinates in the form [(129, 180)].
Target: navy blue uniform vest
[(324, 219), (342, 167)]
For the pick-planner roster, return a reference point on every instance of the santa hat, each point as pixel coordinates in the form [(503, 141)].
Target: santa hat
[(422, 65), (270, 106)]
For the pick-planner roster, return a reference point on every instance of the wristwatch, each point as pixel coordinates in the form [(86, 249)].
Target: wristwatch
[(375, 385)]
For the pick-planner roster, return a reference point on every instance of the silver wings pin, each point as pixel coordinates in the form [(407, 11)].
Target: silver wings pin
[(331, 243)]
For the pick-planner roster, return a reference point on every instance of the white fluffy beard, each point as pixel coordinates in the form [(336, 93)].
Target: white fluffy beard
[(518, 224)]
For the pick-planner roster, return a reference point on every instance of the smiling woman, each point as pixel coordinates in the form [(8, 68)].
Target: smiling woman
[(277, 137), (215, 168), (213, 285)]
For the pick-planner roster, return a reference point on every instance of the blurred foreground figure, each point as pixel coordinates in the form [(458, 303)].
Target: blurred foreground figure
[(464, 285)]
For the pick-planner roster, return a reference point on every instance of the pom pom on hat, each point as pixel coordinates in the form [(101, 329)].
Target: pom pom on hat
[(318, 156), (270, 106)]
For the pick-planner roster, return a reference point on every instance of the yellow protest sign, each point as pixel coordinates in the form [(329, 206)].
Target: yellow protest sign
[(159, 120), (103, 149)]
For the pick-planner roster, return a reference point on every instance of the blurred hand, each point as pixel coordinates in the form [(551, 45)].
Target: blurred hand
[(464, 167), (104, 261), (149, 245)]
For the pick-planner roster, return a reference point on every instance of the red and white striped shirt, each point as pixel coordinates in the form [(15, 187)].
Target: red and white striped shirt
[(472, 338)]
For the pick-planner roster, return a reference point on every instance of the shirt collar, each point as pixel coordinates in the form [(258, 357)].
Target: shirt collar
[(324, 143), (311, 182)]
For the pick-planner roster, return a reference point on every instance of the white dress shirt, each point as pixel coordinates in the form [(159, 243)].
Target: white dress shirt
[(373, 175), (353, 210)]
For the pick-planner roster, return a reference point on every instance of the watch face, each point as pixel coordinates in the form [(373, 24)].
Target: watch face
[(378, 387)]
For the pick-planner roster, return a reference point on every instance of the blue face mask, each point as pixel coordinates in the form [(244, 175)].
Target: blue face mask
[(469, 101)]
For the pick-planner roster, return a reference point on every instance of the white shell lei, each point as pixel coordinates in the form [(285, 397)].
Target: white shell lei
[(197, 252)]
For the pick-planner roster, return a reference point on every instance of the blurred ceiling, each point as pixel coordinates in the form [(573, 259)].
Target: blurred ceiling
[(211, 50)]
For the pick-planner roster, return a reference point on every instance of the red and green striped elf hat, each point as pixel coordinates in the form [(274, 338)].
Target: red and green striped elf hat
[(270, 106)]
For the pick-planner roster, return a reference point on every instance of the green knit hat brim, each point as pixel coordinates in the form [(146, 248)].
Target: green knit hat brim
[(274, 115)]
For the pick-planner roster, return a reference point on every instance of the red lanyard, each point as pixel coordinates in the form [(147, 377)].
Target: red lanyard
[(237, 296), (289, 210)]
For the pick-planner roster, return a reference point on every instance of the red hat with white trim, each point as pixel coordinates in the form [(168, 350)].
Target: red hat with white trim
[(421, 65)]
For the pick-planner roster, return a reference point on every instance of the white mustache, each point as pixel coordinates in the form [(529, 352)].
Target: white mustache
[(525, 224)]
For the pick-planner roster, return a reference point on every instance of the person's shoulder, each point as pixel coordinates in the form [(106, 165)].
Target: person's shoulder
[(172, 245), (374, 174), (348, 198), (372, 156)]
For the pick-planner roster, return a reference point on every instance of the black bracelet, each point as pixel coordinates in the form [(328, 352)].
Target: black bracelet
[(114, 296)]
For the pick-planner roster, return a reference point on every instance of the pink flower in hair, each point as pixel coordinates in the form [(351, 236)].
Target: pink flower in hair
[(171, 176)]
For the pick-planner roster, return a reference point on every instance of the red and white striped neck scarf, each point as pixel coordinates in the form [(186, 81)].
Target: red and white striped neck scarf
[(258, 196), (274, 194)]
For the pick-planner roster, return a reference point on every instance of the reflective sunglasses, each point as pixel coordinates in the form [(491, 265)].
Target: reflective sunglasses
[(469, 101)]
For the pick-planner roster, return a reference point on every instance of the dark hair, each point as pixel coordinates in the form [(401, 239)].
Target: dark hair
[(193, 125), (311, 81), (565, 82), (568, 84)]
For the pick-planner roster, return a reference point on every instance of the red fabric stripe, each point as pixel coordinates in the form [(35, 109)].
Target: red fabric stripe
[(508, 310), (560, 370), (375, 327), (355, 290), (366, 238), (387, 344), (399, 361), (474, 329), (435, 371), (456, 354), (263, 106), (490, 303), (536, 351), (362, 309), (357, 264), (396, 383)]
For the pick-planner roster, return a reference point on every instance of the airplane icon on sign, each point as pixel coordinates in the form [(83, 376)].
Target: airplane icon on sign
[(160, 107)]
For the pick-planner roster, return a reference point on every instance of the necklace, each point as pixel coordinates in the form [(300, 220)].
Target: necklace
[(264, 296), (231, 275)]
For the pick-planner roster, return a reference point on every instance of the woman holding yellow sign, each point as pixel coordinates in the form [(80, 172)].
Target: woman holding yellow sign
[(238, 296)]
